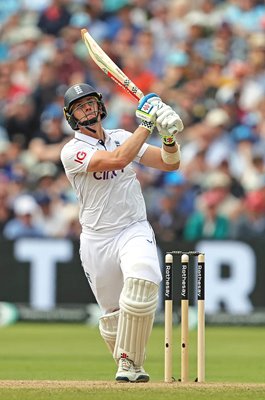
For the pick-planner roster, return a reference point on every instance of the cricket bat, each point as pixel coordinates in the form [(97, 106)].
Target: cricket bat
[(109, 67)]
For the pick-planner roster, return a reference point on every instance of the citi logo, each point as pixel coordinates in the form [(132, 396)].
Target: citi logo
[(106, 175), (78, 89)]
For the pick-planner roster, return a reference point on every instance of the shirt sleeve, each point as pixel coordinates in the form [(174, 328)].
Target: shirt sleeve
[(75, 158), (141, 152)]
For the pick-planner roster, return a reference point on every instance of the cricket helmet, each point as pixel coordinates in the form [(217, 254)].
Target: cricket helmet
[(77, 92)]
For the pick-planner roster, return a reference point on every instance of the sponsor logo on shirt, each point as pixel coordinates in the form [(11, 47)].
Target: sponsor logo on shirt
[(104, 175), (80, 156)]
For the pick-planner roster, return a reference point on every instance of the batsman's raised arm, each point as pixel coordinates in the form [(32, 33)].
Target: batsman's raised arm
[(167, 158), (126, 153), (164, 158), (85, 112)]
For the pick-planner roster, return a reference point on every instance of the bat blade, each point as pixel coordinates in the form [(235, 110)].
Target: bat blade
[(109, 67)]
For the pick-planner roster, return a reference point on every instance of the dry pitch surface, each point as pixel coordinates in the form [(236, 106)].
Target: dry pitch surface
[(39, 384)]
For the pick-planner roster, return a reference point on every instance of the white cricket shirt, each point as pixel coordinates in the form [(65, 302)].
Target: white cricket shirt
[(109, 200)]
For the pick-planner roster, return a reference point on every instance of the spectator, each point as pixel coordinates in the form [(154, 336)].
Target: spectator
[(176, 70), (8, 8), (169, 211), (23, 224), (223, 165), (204, 58), (54, 17), (218, 185), (46, 89), (182, 191), (47, 145), (5, 211), (21, 120), (51, 215), (251, 223), (244, 138), (209, 136), (207, 223), (5, 163)]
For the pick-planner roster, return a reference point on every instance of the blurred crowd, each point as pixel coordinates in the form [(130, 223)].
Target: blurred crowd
[(206, 58)]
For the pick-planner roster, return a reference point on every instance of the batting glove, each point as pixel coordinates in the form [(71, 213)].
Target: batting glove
[(167, 118), (147, 112)]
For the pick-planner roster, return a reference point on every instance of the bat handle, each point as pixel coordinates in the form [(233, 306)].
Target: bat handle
[(173, 130)]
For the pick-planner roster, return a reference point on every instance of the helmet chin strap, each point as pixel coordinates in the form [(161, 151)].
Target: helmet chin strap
[(87, 124), (90, 129)]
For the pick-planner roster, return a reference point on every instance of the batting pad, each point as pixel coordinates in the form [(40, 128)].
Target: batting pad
[(138, 303), (108, 325)]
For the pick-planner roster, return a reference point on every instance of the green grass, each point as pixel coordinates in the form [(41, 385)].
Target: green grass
[(138, 393), (75, 352)]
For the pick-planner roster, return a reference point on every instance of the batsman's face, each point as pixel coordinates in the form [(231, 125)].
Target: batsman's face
[(85, 108)]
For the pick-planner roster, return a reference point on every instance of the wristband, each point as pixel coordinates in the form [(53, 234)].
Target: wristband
[(169, 144), (168, 139), (170, 158)]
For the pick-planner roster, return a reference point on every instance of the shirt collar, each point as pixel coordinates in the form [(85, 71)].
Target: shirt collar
[(87, 139)]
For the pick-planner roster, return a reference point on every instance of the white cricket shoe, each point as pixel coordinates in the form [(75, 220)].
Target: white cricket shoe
[(142, 376), (127, 372)]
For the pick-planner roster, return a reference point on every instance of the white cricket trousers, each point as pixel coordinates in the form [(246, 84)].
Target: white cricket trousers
[(109, 261)]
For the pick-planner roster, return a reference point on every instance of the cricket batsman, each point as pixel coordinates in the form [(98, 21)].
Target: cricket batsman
[(117, 244)]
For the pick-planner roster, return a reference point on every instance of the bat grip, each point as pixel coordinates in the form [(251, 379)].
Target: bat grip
[(173, 130)]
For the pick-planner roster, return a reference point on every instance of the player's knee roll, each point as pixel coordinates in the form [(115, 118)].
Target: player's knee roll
[(139, 297)]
